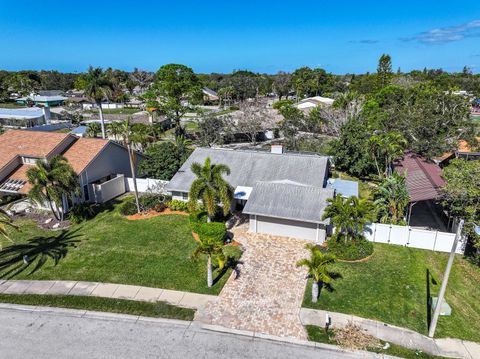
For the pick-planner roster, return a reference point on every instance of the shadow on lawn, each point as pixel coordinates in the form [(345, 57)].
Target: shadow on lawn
[(328, 286), (431, 280), (232, 263), (17, 258)]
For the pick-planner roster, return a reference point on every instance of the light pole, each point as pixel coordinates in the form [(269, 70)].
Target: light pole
[(441, 295)]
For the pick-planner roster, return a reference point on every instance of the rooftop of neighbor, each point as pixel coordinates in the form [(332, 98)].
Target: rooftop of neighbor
[(424, 178)]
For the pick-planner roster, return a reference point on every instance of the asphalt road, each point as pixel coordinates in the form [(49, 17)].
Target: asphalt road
[(26, 334)]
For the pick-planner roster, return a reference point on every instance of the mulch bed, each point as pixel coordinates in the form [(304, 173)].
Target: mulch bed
[(42, 219), (152, 214)]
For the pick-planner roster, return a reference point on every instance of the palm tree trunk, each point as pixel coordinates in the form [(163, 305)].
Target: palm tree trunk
[(314, 291), (134, 177), (102, 121), (209, 272)]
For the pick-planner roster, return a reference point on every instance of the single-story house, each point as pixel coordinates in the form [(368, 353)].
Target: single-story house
[(424, 181), (101, 165), (209, 95), (24, 117), (41, 100), (310, 103), (284, 194), (465, 151)]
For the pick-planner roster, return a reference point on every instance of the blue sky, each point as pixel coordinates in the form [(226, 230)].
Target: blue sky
[(220, 36)]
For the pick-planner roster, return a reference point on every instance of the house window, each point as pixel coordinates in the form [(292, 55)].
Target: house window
[(185, 196), (29, 160), (85, 193)]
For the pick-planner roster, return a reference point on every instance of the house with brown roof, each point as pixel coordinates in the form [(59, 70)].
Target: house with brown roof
[(101, 165)]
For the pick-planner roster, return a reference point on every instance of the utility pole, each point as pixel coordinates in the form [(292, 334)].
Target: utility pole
[(132, 166), (441, 295)]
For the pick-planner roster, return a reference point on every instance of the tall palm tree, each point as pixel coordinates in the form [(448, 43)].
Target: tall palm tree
[(317, 268), (126, 131), (212, 248), (386, 147), (349, 215), (5, 221), (210, 187), (391, 199), (97, 87), (53, 182)]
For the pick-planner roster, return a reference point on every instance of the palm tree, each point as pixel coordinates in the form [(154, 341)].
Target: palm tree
[(97, 87), (210, 187), (349, 215), (93, 129), (5, 221), (211, 247), (126, 131), (391, 199), (53, 182), (115, 129), (317, 268), (386, 147)]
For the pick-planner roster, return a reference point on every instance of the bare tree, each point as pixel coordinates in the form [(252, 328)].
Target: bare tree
[(251, 120), (282, 84)]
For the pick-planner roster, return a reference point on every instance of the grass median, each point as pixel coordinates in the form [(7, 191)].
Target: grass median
[(123, 306)]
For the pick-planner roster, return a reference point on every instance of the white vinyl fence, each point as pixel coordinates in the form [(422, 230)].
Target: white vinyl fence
[(146, 185), (412, 237)]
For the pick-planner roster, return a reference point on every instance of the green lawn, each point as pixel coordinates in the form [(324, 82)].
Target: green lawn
[(317, 334), (118, 111), (158, 309), (109, 248), (392, 287)]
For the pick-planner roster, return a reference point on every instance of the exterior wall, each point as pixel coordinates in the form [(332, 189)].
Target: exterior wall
[(108, 190), (180, 196), (287, 228), (9, 168), (112, 160)]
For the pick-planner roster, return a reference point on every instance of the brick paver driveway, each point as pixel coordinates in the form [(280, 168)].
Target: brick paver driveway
[(267, 295)]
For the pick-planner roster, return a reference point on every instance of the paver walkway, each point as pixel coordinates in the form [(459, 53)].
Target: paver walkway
[(267, 295), (106, 290), (448, 347)]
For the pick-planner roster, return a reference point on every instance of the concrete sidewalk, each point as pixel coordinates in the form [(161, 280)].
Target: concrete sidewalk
[(106, 290), (405, 337)]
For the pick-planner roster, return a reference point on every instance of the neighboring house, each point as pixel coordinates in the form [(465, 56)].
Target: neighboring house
[(465, 151), (424, 181), (41, 100), (24, 117), (284, 194), (101, 165), (310, 103), (209, 95)]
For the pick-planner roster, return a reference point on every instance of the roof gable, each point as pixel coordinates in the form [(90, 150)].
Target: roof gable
[(287, 201)]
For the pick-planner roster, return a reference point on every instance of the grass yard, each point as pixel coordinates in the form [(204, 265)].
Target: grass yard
[(392, 287), (317, 334), (147, 309), (109, 248)]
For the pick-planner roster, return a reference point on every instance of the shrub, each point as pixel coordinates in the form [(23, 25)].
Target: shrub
[(81, 212), (279, 104), (177, 205), (150, 200), (354, 249), (214, 230), (128, 207)]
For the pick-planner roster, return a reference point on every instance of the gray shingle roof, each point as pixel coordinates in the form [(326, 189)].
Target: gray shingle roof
[(249, 167), (280, 200)]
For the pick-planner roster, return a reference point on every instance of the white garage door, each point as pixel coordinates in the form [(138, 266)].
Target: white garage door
[(287, 228)]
